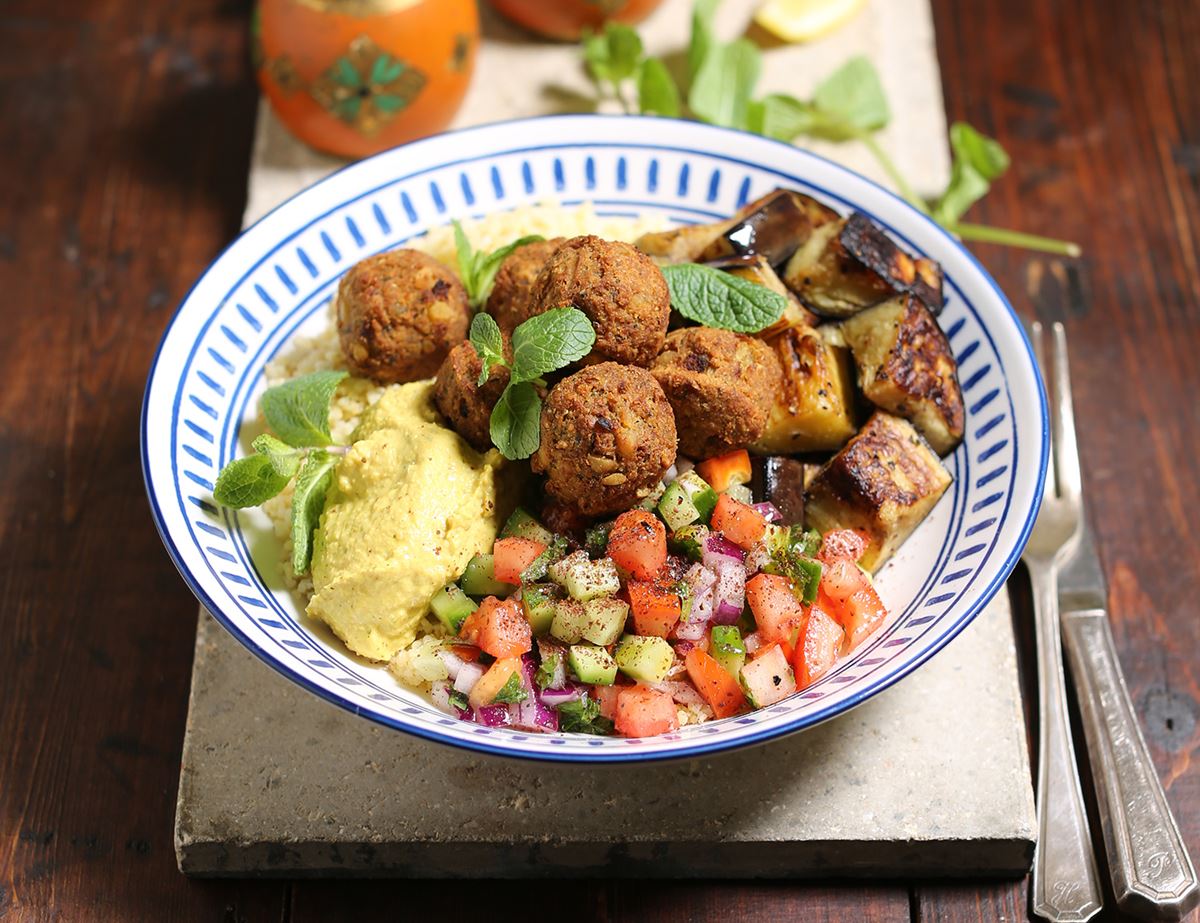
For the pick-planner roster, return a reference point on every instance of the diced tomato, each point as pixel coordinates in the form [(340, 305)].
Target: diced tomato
[(606, 696), (726, 470), (643, 712), (498, 628), (489, 685), (655, 610), (777, 611), (743, 525), (847, 595), (638, 544), (720, 690), (467, 652), (817, 648), (843, 544), (512, 556)]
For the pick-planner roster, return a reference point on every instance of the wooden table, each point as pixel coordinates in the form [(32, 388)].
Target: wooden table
[(126, 139)]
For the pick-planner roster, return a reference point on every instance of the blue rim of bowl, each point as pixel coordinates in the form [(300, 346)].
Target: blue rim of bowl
[(695, 750)]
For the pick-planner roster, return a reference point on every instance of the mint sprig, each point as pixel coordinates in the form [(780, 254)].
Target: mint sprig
[(720, 299), (541, 345), (478, 268), (308, 500), (298, 410)]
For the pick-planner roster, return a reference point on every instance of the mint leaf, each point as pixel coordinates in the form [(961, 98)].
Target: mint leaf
[(298, 410), (721, 90), (702, 39), (516, 424), (549, 341), (545, 672), (283, 458), (511, 691), (583, 717), (247, 482), (478, 268), (613, 55), (850, 101), (308, 501), (485, 336), (781, 117), (978, 160), (657, 92), (719, 299)]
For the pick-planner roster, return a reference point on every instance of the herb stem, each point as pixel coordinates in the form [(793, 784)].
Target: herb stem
[(1011, 238), (889, 167)]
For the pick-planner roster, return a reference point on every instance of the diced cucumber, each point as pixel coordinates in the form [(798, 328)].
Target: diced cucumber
[(776, 537), (728, 649), (521, 524), (479, 578), (538, 566), (452, 606), (595, 539), (768, 678), (803, 542), (690, 541), (539, 600), (676, 507), (647, 660), (605, 619), (585, 579), (569, 620), (700, 492), (592, 665), (740, 492), (811, 572)]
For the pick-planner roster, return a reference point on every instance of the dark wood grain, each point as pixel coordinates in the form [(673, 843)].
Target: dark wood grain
[(127, 132)]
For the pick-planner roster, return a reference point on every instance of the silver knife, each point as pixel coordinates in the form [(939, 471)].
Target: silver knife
[(1152, 874)]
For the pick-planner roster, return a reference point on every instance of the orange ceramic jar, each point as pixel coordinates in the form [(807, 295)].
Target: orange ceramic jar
[(566, 19), (353, 77)]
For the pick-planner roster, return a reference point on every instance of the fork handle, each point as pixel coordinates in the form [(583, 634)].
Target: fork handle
[(1152, 875), (1066, 882)]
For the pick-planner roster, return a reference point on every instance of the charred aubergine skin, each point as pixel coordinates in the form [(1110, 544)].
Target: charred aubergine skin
[(884, 482), (905, 366)]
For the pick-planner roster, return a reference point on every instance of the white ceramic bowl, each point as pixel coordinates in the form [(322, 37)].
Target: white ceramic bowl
[(279, 275)]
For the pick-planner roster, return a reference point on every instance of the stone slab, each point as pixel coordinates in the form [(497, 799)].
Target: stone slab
[(929, 778)]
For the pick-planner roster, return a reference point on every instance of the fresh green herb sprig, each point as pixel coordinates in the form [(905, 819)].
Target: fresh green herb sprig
[(298, 412), (847, 106), (478, 268), (541, 345), (582, 716), (721, 299)]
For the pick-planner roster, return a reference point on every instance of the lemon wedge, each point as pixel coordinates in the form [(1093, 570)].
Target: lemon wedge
[(805, 20)]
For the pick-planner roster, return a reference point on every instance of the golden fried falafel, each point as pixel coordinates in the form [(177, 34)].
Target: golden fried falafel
[(398, 315), (721, 386), (511, 299), (620, 290), (466, 405), (608, 436)]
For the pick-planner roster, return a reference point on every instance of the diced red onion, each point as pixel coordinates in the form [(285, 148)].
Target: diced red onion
[(700, 579), (548, 650), (693, 629), (682, 648), (670, 474), (717, 549), (683, 465), (453, 662), (730, 591), (757, 558), (468, 676), (683, 693), (753, 642), (726, 613), (557, 697), (440, 693), (493, 716), (768, 511), (702, 606)]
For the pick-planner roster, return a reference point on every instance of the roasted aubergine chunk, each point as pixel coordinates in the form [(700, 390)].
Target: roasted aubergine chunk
[(851, 264), (814, 408), (774, 228), (679, 245), (779, 480), (905, 366), (883, 482)]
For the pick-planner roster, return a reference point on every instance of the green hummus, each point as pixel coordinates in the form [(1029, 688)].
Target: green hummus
[(410, 504)]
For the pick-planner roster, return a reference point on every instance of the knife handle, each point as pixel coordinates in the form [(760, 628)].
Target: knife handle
[(1153, 876)]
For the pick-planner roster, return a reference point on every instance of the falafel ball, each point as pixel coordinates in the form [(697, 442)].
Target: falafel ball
[(608, 436), (460, 399), (511, 299), (721, 386), (398, 315), (618, 287)]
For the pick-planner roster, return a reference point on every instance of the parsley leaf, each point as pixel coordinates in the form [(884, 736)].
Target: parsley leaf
[(283, 458), (720, 299), (485, 336), (548, 341), (478, 268), (657, 92), (978, 160), (308, 500), (247, 482), (298, 410), (516, 425)]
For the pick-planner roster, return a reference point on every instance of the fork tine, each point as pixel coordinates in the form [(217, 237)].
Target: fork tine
[(1065, 445), (1039, 355)]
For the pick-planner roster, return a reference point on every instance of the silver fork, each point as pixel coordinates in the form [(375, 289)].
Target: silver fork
[(1066, 882)]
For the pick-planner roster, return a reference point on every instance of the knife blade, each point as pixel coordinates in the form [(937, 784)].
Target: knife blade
[(1081, 583)]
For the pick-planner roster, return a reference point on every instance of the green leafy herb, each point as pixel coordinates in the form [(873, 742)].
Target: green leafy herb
[(247, 482), (459, 700), (283, 458), (489, 344), (478, 268), (595, 539), (849, 102), (511, 691), (308, 500), (613, 56), (780, 116), (657, 93), (549, 666), (721, 90), (298, 410), (703, 38), (583, 717), (516, 424), (978, 160), (549, 341), (719, 299)]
